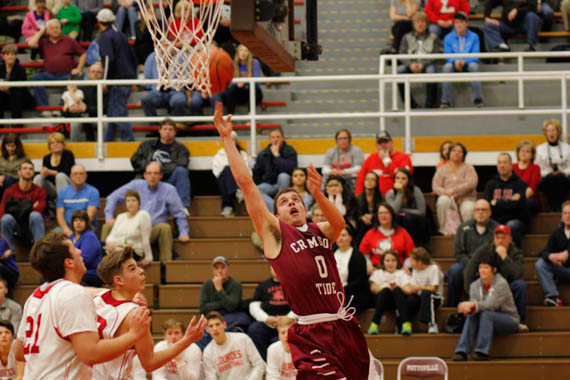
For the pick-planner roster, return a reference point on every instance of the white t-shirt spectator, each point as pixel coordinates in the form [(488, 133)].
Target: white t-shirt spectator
[(132, 231), (69, 99), (187, 368), (279, 363), (430, 276), (384, 278)]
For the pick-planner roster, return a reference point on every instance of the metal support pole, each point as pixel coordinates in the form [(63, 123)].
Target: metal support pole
[(520, 82), (394, 86), (408, 118), (100, 155), (381, 89), (252, 111), (564, 109)]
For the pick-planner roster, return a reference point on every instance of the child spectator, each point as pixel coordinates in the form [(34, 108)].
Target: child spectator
[(426, 288), (367, 202), (85, 239), (73, 105), (183, 10), (299, 183), (389, 286), (53, 6), (342, 197), (70, 18), (529, 172), (9, 367), (279, 362), (244, 66), (444, 153), (35, 20)]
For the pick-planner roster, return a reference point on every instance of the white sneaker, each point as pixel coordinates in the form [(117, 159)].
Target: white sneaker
[(46, 114), (228, 212), (522, 328), (239, 195), (433, 329), (186, 211), (56, 113)]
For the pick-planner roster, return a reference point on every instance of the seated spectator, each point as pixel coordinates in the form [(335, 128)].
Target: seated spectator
[(132, 228), (9, 271), (21, 209), (187, 365), (342, 197), (351, 266), (470, 235), (88, 9), (10, 26), (389, 286), (53, 6), (223, 37), (455, 181), (461, 40), (160, 97), (94, 72), (78, 196), (13, 99), (384, 164), (69, 16), (565, 8), (554, 264), (87, 241), (231, 355), (386, 235), (367, 202), (10, 310), (409, 203), (59, 63), (299, 183), (444, 153), (506, 194), (56, 167), (245, 65), (10, 160), (222, 294), (440, 14), (279, 361), (36, 19), (317, 215), (401, 13), (73, 105), (273, 167), (143, 44), (425, 289), (517, 16), (9, 365), (268, 306), (490, 310), (345, 159), (160, 200), (545, 9), (127, 9), (553, 158), (510, 263), (226, 183), (172, 156), (529, 172), (420, 41), (192, 29)]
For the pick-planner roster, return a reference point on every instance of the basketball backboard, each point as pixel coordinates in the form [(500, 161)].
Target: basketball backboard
[(266, 27)]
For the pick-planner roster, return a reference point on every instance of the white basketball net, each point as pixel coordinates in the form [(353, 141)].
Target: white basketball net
[(182, 48)]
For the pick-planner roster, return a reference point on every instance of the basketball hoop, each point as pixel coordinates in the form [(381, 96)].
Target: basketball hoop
[(182, 36)]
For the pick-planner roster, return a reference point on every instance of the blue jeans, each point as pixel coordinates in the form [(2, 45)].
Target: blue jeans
[(519, 289), (197, 102), (227, 187), (117, 106), (447, 93), (483, 326), (431, 88), (518, 229), (40, 92), (530, 26), (35, 224), (154, 99), (268, 190), (132, 14), (547, 14), (455, 284), (547, 272), (262, 336), (181, 181)]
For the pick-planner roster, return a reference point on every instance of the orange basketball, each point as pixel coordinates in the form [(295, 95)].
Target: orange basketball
[(221, 70)]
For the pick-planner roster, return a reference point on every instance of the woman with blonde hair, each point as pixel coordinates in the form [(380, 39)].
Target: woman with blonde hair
[(529, 172), (401, 13), (553, 158), (244, 66)]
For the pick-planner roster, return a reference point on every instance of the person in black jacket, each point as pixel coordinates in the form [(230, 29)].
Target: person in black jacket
[(518, 16), (13, 98), (506, 194), (554, 264), (273, 167)]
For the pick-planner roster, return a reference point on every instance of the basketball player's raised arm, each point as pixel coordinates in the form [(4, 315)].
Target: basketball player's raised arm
[(265, 223), (335, 221)]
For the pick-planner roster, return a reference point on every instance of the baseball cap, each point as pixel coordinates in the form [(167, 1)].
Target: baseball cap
[(383, 136), (460, 16), (220, 259), (503, 229), (105, 15)]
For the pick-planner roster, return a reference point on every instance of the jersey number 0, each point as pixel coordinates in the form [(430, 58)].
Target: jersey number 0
[(321, 266)]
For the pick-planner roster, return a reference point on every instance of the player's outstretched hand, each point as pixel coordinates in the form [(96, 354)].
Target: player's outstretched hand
[(140, 322), (314, 180), (224, 127), (140, 300), (195, 329)]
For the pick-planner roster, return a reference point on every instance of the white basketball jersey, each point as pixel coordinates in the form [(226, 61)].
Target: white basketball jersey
[(52, 313), (9, 371), (110, 315)]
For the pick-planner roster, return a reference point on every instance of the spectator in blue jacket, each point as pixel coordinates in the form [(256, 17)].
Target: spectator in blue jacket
[(86, 240), (461, 40), (8, 268)]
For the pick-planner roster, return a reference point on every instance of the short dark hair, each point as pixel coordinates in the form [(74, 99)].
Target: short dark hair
[(391, 252), (283, 191), (110, 265), (81, 214), (505, 154), (421, 254), (133, 194), (168, 121), (8, 325), (455, 144), (26, 161), (345, 131), (279, 129), (4, 281), (489, 259), (48, 256), (214, 315), (392, 212)]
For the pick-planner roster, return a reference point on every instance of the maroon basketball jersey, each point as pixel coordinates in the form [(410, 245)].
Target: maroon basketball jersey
[(307, 270)]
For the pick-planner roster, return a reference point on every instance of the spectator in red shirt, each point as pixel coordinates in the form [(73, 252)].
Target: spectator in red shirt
[(529, 172), (59, 53), (384, 164), (440, 14), (24, 189)]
